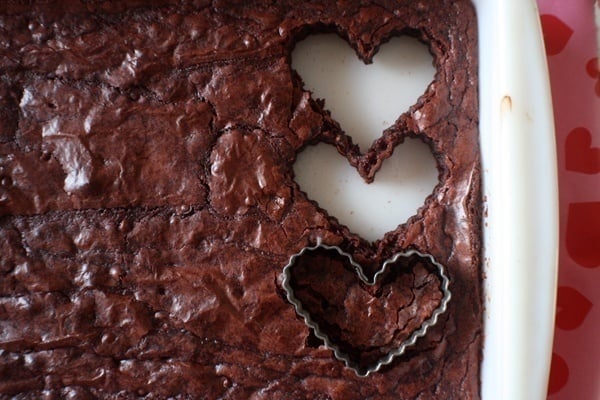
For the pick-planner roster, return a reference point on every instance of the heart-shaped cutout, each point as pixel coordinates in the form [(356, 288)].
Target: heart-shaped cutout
[(369, 210), (364, 99), (366, 322)]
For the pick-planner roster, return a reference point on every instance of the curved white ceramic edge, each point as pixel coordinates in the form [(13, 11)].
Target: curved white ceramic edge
[(520, 185)]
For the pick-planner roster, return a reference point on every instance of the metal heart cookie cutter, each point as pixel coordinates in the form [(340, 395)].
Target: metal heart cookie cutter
[(339, 354)]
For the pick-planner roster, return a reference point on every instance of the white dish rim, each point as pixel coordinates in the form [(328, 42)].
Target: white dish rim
[(520, 189)]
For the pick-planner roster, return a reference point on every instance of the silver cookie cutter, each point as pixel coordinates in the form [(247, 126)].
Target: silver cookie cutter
[(339, 354)]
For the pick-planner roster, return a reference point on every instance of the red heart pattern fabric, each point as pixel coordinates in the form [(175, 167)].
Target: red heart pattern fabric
[(572, 49), (556, 34), (559, 374), (580, 156), (572, 308), (593, 70), (583, 234)]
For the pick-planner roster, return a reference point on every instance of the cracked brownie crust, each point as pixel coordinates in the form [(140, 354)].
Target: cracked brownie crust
[(148, 203)]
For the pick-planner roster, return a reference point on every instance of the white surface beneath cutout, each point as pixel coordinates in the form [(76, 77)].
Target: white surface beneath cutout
[(369, 210), (364, 99)]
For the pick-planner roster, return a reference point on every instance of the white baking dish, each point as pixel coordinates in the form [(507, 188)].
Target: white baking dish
[(520, 192), (520, 184)]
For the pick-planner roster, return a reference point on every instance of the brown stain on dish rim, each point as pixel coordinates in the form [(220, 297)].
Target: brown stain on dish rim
[(506, 104)]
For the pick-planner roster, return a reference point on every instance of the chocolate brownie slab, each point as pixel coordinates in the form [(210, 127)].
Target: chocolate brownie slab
[(148, 202)]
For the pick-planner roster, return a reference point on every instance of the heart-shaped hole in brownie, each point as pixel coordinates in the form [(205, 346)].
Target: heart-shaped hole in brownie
[(368, 210), (366, 321), (364, 98)]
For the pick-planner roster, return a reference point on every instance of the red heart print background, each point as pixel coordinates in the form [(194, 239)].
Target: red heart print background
[(572, 49)]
